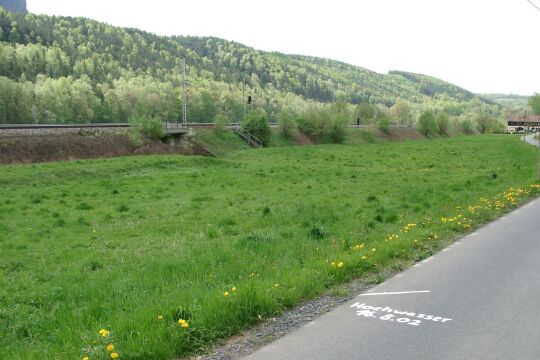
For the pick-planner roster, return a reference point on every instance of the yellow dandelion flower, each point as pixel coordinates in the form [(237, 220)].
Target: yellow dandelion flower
[(104, 333), (85, 358), (341, 264), (233, 289), (226, 293), (185, 325), (114, 355), (160, 317), (110, 348), (181, 321), (276, 285)]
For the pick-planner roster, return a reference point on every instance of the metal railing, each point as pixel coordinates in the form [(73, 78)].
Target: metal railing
[(251, 139)]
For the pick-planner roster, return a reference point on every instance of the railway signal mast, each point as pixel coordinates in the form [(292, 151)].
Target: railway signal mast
[(186, 90)]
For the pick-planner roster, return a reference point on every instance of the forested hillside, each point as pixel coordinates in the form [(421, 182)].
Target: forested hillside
[(60, 69), (511, 101)]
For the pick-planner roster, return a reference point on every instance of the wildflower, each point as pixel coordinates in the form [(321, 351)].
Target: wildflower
[(85, 358), (110, 348), (104, 333), (181, 321), (114, 355), (233, 289), (160, 317), (185, 325), (276, 285), (226, 293), (364, 257), (341, 264)]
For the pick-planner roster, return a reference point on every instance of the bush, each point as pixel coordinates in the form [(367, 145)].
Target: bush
[(427, 124), (468, 126), (337, 128), (309, 122), (146, 126), (484, 123), (443, 123), (383, 122), (220, 123), (256, 123), (287, 124)]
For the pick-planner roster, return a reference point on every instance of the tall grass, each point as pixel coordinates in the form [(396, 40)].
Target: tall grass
[(134, 245)]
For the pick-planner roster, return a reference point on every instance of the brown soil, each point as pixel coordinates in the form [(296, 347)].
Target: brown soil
[(302, 139), (400, 134), (34, 149)]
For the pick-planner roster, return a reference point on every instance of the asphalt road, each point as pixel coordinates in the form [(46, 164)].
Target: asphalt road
[(531, 140), (483, 303)]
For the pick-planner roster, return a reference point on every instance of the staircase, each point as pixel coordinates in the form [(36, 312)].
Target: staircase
[(249, 137)]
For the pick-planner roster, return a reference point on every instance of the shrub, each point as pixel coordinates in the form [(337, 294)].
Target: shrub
[(427, 124), (468, 126), (337, 128), (287, 123), (220, 123), (383, 124), (484, 123), (256, 123), (146, 126), (443, 123), (309, 122)]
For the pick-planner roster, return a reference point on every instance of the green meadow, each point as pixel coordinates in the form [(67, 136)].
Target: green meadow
[(133, 245)]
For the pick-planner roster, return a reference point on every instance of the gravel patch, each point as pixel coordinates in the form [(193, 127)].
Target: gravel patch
[(272, 329)]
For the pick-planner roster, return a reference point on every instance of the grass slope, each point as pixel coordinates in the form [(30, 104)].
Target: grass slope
[(133, 245)]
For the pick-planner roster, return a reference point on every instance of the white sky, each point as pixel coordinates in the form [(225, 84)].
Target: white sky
[(481, 45)]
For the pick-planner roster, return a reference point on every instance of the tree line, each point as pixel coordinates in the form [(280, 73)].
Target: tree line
[(102, 73)]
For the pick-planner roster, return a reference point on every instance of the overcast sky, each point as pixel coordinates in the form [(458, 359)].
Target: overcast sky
[(481, 45)]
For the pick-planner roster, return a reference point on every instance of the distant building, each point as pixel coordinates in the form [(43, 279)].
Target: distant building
[(517, 123)]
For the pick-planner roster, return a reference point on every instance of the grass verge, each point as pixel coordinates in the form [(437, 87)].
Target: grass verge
[(134, 245)]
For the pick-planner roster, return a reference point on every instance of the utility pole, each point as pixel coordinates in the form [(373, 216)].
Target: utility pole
[(524, 118), (186, 90), (244, 100)]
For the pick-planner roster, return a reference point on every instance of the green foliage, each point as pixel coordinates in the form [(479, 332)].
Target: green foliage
[(287, 123), (134, 72), (511, 101), (337, 127), (179, 231), (484, 123), (382, 120), (220, 122), (427, 124), (147, 126), (401, 113), (256, 123), (364, 112), (468, 126), (534, 103), (443, 123)]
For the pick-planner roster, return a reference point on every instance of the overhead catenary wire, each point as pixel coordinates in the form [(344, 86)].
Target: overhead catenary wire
[(533, 4)]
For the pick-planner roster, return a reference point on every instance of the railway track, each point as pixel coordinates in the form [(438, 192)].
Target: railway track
[(124, 125)]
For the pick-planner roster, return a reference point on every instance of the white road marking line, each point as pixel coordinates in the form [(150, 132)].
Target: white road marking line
[(396, 293)]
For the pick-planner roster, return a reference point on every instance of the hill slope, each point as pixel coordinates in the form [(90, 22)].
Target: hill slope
[(39, 49)]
